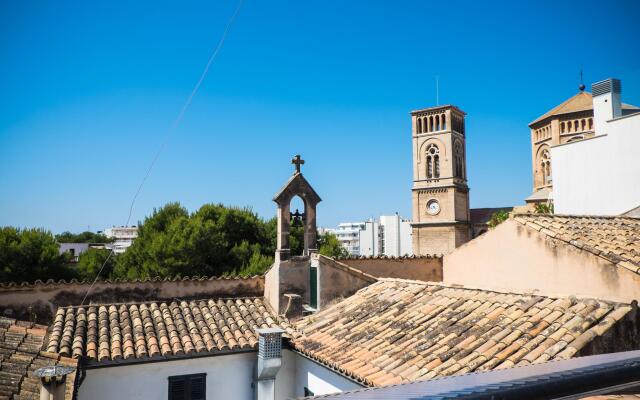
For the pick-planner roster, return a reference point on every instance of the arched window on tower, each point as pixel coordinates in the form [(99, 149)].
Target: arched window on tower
[(437, 122), (561, 127), (545, 166), (433, 161), (444, 122), (419, 125), (458, 160), (430, 123)]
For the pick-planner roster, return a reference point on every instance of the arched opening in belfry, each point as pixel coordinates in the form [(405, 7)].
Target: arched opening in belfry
[(297, 222)]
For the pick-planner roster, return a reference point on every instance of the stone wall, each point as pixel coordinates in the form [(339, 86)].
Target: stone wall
[(337, 280), (38, 301), (425, 268), (513, 257)]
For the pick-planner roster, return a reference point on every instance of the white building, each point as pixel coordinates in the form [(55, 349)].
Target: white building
[(390, 236), (600, 175), (123, 237), (348, 233)]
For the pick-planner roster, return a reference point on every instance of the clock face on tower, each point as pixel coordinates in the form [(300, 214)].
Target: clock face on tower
[(433, 207)]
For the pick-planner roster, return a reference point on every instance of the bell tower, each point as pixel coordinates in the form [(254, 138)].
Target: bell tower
[(440, 194)]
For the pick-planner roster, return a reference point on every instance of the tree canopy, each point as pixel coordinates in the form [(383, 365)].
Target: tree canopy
[(31, 254), (84, 237), (215, 240)]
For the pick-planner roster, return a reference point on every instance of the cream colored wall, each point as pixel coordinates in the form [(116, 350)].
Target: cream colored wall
[(513, 257)]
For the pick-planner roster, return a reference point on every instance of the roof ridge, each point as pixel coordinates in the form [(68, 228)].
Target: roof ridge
[(50, 282), (520, 214), (531, 293), (134, 303)]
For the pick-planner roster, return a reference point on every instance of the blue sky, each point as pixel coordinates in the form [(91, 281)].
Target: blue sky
[(88, 89)]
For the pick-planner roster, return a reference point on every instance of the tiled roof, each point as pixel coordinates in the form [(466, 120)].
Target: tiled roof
[(20, 356), (386, 257), (52, 282), (583, 101), (140, 330), (396, 331), (616, 239)]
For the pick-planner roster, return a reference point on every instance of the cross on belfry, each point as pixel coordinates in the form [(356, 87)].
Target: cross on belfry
[(298, 162)]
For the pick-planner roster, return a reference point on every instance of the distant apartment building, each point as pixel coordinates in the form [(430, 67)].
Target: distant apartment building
[(389, 235), (74, 250), (123, 237), (348, 233)]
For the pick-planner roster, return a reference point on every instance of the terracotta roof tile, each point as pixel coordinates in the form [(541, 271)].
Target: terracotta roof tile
[(21, 355), (397, 331), (126, 331), (616, 239)]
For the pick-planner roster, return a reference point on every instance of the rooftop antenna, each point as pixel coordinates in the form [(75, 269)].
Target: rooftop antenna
[(437, 90), (581, 87)]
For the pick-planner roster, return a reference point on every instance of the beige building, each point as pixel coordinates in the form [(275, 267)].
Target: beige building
[(440, 195), (568, 122), (553, 255)]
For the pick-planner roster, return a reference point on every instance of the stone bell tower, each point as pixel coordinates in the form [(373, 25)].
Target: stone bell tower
[(440, 194), (297, 185), (294, 275)]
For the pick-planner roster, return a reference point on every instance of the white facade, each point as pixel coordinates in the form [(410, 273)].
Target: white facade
[(390, 236), (396, 235), (348, 233), (123, 237), (600, 175), (370, 239), (229, 377), (299, 373), (74, 249)]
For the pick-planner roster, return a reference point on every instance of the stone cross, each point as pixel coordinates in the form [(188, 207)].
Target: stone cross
[(298, 162)]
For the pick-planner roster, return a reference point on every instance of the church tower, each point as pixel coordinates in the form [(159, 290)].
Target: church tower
[(440, 195)]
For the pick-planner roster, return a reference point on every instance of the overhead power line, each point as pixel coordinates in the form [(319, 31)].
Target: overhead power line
[(170, 131)]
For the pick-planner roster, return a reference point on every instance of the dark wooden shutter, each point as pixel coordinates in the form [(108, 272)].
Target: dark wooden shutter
[(197, 388), (177, 388), (188, 387)]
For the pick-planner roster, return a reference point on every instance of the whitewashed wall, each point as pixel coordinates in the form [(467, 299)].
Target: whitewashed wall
[(228, 377), (318, 379), (599, 176)]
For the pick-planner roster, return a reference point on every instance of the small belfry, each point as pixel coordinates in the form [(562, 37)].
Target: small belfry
[(297, 185), (440, 195)]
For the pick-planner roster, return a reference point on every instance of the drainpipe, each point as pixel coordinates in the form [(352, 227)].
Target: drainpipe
[(269, 362), (52, 381)]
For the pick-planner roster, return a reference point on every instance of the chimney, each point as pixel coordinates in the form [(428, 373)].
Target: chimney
[(606, 103), (52, 381), (269, 362)]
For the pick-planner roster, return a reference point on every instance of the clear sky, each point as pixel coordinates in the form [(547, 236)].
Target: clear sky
[(88, 89)]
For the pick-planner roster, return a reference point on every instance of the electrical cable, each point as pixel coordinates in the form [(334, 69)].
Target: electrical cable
[(171, 129)]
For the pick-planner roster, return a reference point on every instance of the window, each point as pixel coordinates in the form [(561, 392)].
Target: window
[(433, 161), (419, 127), (458, 160), (187, 387), (308, 392), (545, 165)]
